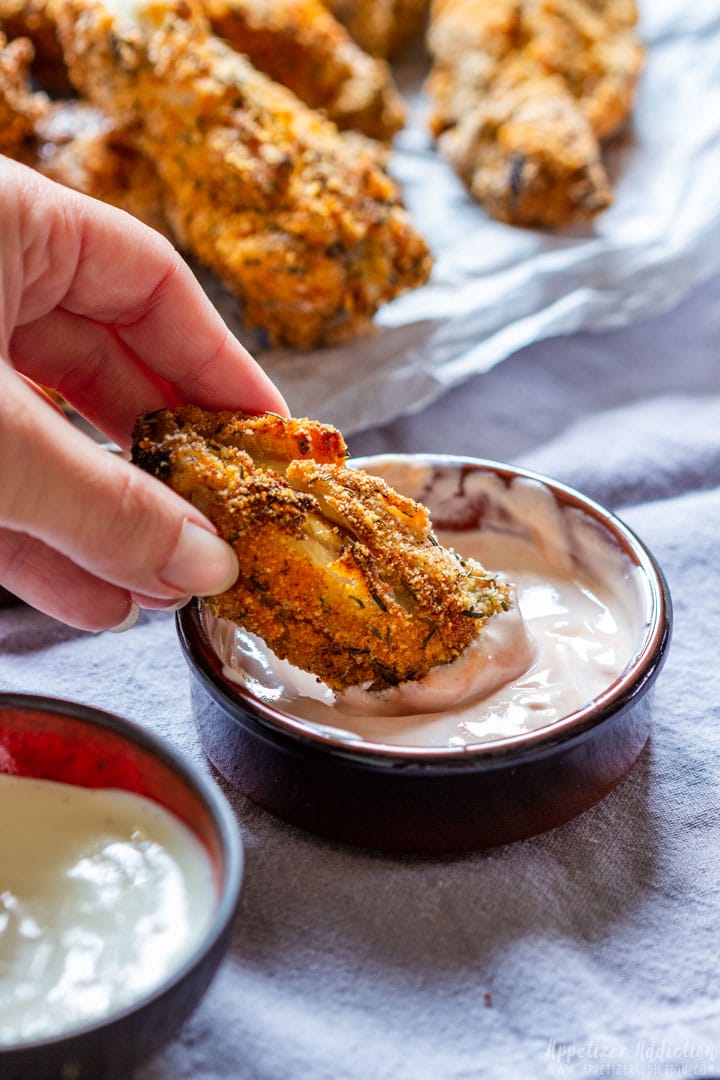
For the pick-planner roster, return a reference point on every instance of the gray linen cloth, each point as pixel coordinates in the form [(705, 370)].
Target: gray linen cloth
[(591, 951)]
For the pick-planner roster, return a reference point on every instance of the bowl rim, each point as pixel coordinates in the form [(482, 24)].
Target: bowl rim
[(635, 678), (228, 830)]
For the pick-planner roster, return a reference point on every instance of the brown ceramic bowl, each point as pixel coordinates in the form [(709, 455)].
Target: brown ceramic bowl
[(442, 798), (59, 740)]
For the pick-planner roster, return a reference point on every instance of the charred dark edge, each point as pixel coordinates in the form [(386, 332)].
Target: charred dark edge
[(154, 461)]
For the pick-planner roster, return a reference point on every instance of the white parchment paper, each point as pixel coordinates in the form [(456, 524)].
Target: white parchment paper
[(495, 288)]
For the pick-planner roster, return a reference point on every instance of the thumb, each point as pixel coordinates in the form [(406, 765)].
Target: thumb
[(78, 506)]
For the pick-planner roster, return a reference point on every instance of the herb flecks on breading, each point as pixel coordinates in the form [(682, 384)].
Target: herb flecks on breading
[(339, 574)]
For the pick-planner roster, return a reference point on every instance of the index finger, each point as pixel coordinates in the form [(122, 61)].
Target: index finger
[(159, 310), (109, 268)]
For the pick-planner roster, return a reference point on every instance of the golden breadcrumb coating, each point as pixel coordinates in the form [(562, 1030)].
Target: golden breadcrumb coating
[(301, 222), (32, 19), (20, 108), (381, 27), (339, 574), (76, 145), (299, 44), (592, 45), (524, 91), (73, 142)]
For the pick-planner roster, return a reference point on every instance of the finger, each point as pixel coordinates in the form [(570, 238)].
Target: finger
[(52, 583), (180, 335), (103, 514), (98, 374), (92, 369), (97, 262), (154, 603)]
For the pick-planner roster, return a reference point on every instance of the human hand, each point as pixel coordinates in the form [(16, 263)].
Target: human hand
[(102, 309)]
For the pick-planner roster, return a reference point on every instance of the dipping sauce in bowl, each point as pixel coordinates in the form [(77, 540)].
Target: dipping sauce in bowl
[(121, 874), (104, 894), (567, 667)]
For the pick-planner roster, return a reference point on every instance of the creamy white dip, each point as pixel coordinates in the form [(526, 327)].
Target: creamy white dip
[(102, 895), (576, 624)]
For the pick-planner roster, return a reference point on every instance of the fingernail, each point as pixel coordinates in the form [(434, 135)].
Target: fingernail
[(202, 564), (178, 605), (130, 619)]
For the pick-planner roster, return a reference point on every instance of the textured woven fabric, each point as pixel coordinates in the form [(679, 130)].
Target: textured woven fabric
[(590, 951)]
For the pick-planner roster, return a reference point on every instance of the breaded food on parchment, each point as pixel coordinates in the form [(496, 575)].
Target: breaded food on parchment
[(381, 27), (20, 108), (77, 145), (301, 222), (339, 574), (301, 45), (32, 19), (73, 142), (298, 43), (524, 91)]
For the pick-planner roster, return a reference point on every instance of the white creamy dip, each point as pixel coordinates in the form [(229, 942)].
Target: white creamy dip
[(575, 626), (102, 895)]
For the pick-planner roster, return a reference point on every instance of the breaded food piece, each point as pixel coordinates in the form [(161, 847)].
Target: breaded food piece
[(296, 42), (524, 92), (527, 154), (301, 45), (381, 27), (593, 46), (339, 574), (20, 108), (77, 145), (32, 19), (301, 222), (73, 142)]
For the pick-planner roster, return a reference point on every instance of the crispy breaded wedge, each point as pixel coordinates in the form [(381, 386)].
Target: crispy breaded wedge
[(303, 224), (524, 92), (381, 27), (526, 152), (20, 108), (339, 574), (73, 142), (32, 19), (299, 44), (594, 47), (77, 145)]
